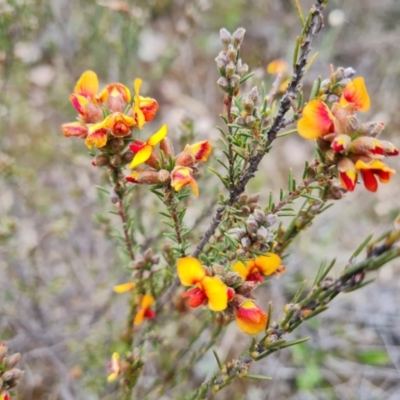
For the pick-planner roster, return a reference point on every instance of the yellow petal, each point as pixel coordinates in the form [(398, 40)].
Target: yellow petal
[(241, 269), (147, 301), (356, 93), (137, 84), (268, 264), (200, 150), (139, 317), (216, 292), (278, 66), (87, 85), (141, 156), (190, 271), (112, 377), (250, 318), (316, 121), (195, 188), (124, 287), (158, 136)]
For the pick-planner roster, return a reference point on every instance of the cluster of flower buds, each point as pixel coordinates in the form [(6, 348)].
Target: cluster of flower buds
[(248, 204), (9, 375), (164, 167), (249, 115), (345, 142), (229, 62), (229, 291), (255, 235)]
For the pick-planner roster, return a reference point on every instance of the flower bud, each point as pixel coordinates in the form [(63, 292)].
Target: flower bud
[(246, 210), (233, 278), (115, 161), (167, 147), (241, 121), (371, 128), (127, 157), (253, 94), (254, 198), (12, 361), (231, 54), (270, 219), (117, 143), (248, 105), (341, 143), (366, 145), (331, 157), (243, 197), (185, 159), (101, 160), (218, 269), (230, 70), (238, 36), (245, 242), (251, 224), (242, 70), (389, 149), (234, 81), (147, 177), (250, 121), (3, 351), (225, 37), (223, 84), (259, 216), (221, 62), (262, 233), (347, 173), (163, 176), (351, 125)]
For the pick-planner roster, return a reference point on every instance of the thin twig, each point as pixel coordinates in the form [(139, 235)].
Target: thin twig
[(278, 123)]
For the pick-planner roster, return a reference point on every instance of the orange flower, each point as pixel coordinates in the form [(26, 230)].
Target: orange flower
[(97, 135), (143, 150), (369, 170), (144, 310), (210, 290), (250, 318), (84, 97), (316, 121), (145, 108), (116, 95), (182, 176), (254, 270), (75, 129), (278, 66), (115, 368), (355, 93), (347, 174), (200, 150), (119, 123)]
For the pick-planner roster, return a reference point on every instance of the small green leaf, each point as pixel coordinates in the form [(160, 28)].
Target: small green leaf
[(374, 357)]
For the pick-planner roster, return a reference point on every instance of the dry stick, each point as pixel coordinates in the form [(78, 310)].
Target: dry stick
[(278, 122)]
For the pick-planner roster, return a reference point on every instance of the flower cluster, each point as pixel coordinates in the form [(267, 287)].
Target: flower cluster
[(164, 167), (109, 114), (345, 142), (229, 291), (107, 121), (9, 375)]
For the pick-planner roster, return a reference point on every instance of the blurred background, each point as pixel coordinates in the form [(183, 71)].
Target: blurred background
[(57, 253)]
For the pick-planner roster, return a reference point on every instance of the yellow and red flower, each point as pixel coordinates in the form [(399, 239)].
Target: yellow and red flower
[(116, 96), (144, 310), (356, 94), (278, 66), (347, 174), (77, 129), (97, 135), (84, 97), (254, 270), (182, 176), (114, 367), (207, 290), (120, 124), (143, 150), (317, 120), (145, 108), (250, 318), (372, 169), (4, 395)]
